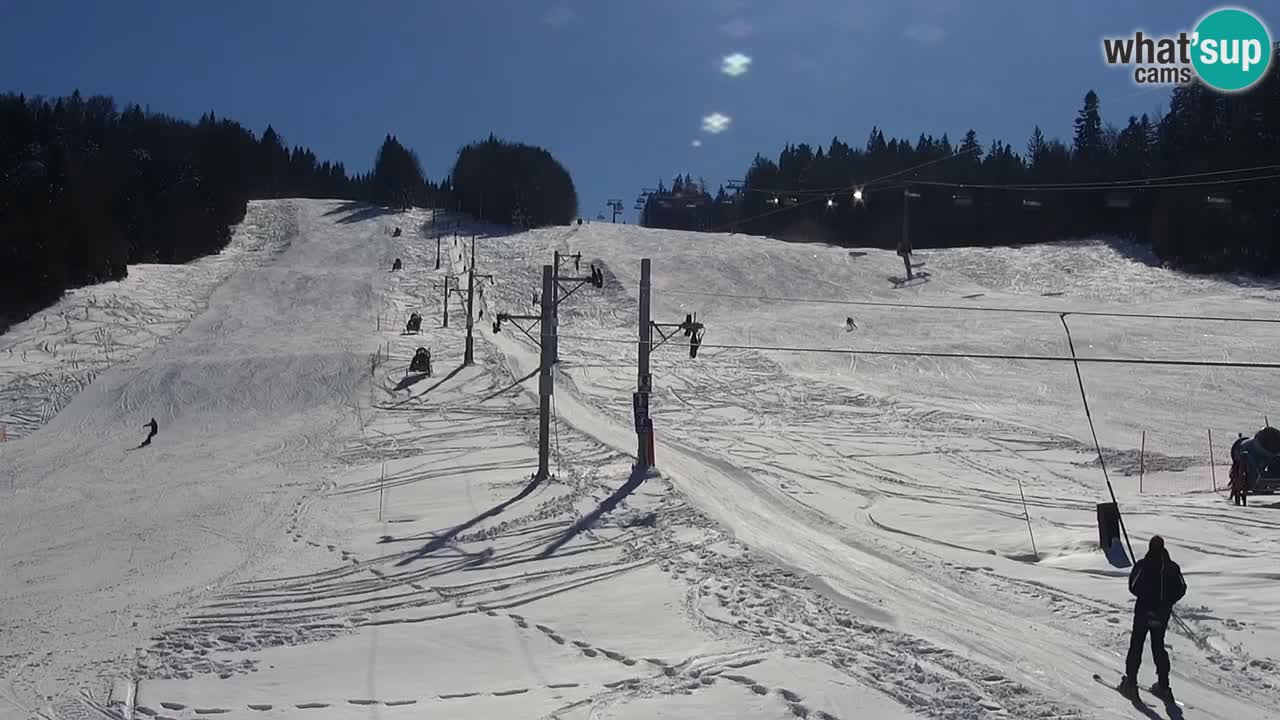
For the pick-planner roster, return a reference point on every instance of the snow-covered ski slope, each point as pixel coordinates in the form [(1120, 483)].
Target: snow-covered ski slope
[(318, 534)]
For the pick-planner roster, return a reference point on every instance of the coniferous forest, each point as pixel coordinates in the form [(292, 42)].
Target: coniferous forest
[(513, 183), (87, 188), (1174, 182)]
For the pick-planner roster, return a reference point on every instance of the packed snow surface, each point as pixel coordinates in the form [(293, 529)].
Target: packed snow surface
[(315, 532)]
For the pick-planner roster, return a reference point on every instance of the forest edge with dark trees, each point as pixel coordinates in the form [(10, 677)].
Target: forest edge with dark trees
[(87, 190), (1193, 214)]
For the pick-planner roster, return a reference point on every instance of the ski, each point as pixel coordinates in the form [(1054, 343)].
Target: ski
[(1175, 701), (915, 279)]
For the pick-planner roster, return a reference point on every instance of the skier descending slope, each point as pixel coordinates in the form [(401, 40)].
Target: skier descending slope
[(1156, 581), (154, 429)]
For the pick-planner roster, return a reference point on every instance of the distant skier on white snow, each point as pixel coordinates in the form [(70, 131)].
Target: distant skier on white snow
[(154, 429), (1156, 581)]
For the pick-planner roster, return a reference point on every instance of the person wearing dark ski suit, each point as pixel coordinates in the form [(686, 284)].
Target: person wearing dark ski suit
[(1238, 477), (1156, 581), (154, 429)]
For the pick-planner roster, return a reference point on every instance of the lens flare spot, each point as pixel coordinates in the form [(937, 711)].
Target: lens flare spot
[(716, 123), (735, 64)]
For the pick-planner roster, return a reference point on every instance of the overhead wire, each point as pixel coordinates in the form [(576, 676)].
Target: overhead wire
[(874, 185), (957, 355), (974, 308), (913, 168), (1273, 167), (872, 181), (1098, 184), (784, 208)]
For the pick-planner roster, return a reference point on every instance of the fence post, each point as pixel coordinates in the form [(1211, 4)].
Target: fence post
[(1142, 460), (382, 484), (1213, 473), (1026, 515)]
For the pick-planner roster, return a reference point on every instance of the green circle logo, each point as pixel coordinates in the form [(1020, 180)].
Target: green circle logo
[(1232, 50)]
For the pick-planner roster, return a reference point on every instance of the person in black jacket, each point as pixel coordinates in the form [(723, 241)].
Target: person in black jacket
[(1156, 581), (1239, 476), (154, 429)]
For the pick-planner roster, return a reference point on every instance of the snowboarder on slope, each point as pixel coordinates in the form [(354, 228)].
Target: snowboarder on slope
[(154, 429), (1156, 581)]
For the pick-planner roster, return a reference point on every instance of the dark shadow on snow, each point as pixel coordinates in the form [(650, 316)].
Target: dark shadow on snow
[(411, 379), (919, 279), (638, 476), (1029, 558), (512, 386), (452, 374), (346, 206), (359, 212), (1171, 708), (439, 541), (368, 213), (1145, 709), (1175, 713), (1143, 254)]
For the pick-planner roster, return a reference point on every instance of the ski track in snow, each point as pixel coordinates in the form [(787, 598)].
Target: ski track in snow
[(778, 427), (48, 359), (944, 623)]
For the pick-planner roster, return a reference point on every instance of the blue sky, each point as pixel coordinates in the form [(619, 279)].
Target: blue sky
[(616, 90)]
